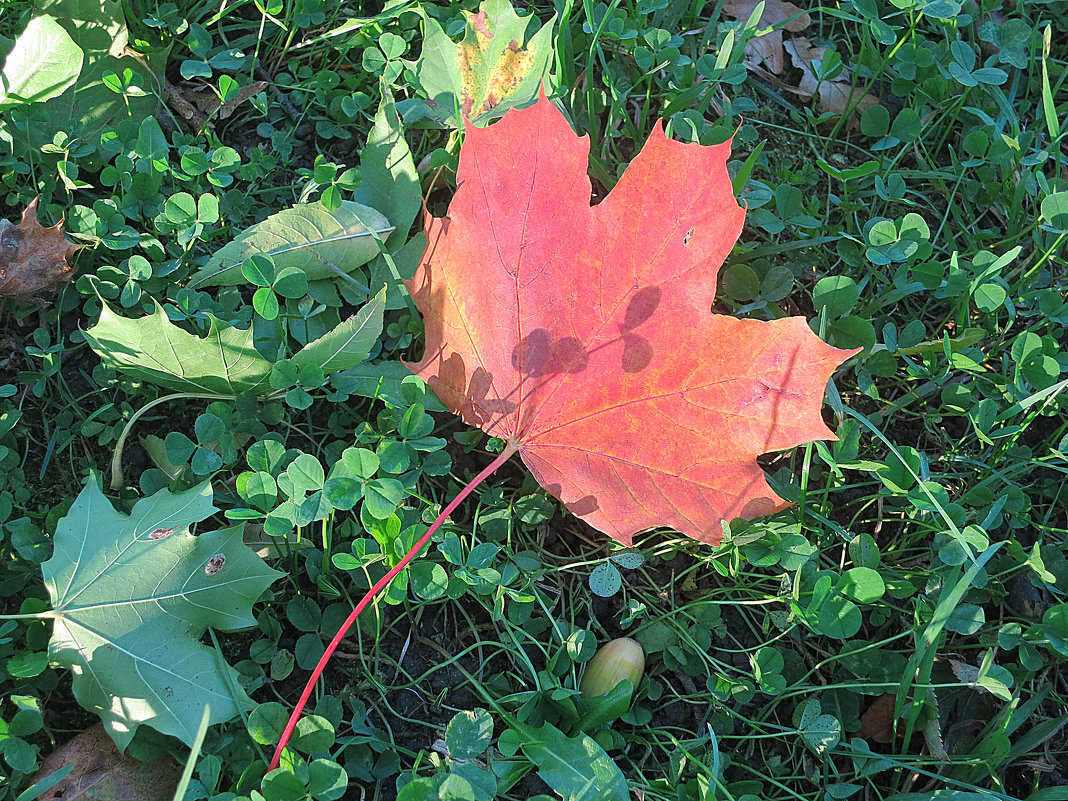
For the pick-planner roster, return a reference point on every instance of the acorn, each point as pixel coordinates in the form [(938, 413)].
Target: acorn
[(616, 660)]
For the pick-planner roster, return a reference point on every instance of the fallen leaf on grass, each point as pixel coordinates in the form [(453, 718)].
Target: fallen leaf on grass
[(154, 349), (33, 258), (200, 108), (838, 96), (501, 61), (133, 594), (321, 242), (768, 49), (100, 771), (876, 724), (584, 335)]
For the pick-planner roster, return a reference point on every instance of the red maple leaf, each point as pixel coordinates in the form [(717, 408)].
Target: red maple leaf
[(584, 335)]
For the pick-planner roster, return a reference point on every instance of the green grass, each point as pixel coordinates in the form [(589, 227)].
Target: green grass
[(922, 567)]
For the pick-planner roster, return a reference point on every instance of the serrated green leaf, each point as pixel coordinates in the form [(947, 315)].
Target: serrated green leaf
[(42, 64), (156, 350), (348, 344), (307, 236), (388, 179), (131, 595), (500, 64)]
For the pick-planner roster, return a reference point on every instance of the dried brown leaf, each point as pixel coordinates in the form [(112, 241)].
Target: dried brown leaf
[(33, 258), (775, 12), (876, 724), (841, 98), (100, 771), (967, 674), (201, 107), (193, 119), (243, 94), (768, 49), (838, 96)]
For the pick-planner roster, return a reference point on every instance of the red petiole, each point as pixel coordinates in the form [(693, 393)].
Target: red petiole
[(379, 585)]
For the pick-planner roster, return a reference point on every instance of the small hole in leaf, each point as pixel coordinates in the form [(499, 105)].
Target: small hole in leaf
[(689, 235)]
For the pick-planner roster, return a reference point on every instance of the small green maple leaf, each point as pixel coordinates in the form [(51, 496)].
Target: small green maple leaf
[(500, 63), (132, 595), (154, 349)]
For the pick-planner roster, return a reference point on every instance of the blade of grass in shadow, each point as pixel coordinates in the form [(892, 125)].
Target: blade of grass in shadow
[(194, 754), (918, 670)]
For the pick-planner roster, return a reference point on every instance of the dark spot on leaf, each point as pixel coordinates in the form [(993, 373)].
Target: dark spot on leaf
[(584, 506), (481, 383), (215, 564), (478, 23), (529, 354), (758, 507), (161, 533), (453, 387)]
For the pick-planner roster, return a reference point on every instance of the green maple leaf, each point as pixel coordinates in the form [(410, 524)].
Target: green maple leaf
[(131, 597), (156, 350), (501, 62)]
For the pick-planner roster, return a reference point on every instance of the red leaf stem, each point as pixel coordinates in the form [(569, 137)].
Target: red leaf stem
[(291, 724)]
